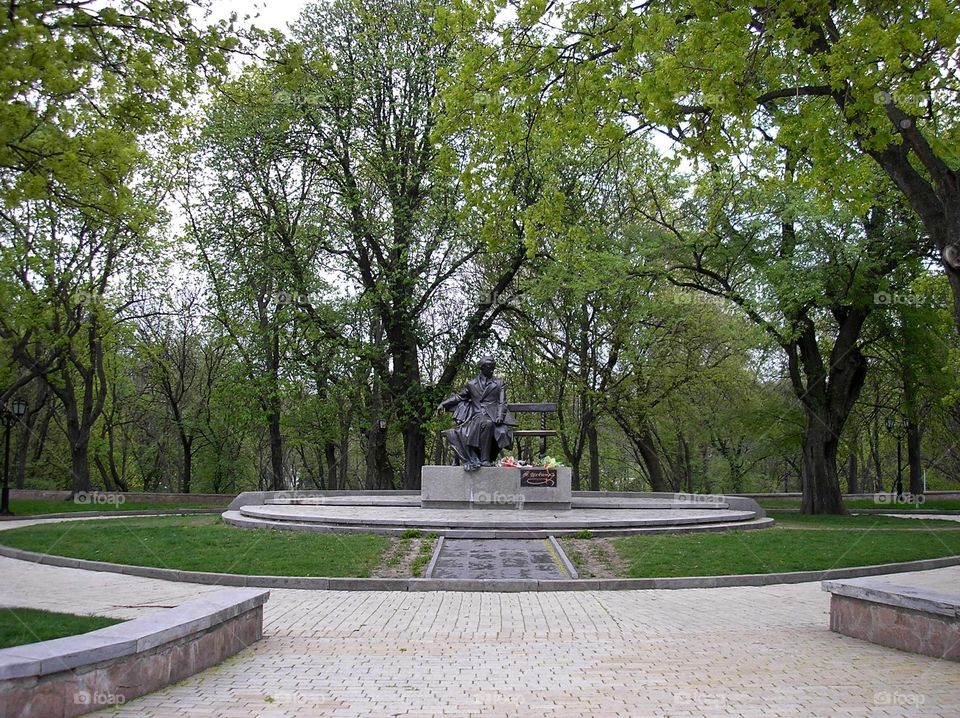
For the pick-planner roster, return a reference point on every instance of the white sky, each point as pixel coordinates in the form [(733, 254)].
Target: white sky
[(275, 14)]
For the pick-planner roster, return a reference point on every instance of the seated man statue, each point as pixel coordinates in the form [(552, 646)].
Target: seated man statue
[(484, 423)]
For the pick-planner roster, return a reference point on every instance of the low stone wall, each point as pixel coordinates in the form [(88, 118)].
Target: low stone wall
[(910, 619), (98, 497), (78, 674)]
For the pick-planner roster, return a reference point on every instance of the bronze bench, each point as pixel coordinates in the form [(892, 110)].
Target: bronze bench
[(543, 432)]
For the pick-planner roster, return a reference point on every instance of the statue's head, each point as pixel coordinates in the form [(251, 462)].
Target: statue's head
[(487, 365)]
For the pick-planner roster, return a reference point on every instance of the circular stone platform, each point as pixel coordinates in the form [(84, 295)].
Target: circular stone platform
[(602, 514)]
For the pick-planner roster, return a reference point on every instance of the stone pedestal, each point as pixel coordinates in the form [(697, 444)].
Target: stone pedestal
[(450, 487)]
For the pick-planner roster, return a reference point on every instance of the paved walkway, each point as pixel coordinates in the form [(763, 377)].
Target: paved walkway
[(499, 559), (725, 652)]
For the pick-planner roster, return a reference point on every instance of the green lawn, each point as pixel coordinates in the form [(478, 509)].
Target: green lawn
[(34, 507), (799, 543), (204, 543), (928, 505), (19, 626)]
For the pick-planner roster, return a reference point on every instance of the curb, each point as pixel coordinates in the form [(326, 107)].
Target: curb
[(564, 559), (234, 518), (492, 585), (107, 514), (428, 573)]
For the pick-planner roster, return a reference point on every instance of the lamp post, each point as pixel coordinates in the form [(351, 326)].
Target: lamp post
[(9, 417), (898, 487)]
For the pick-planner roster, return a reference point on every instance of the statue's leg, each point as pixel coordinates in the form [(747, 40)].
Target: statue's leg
[(485, 441), (460, 452)]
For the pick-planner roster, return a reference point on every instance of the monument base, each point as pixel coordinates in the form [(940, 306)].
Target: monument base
[(450, 487)]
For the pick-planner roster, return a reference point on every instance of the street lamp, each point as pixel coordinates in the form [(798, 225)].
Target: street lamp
[(891, 425), (9, 417)]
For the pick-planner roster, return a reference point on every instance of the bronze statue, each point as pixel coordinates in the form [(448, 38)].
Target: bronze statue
[(484, 423)]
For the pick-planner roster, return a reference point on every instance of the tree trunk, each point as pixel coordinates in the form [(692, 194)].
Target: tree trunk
[(914, 456), (186, 473), (705, 460), (276, 451), (414, 453), (330, 455), (378, 474), (651, 460), (827, 388), (574, 475), (594, 451), (23, 447), (79, 464), (273, 407), (821, 487), (853, 486)]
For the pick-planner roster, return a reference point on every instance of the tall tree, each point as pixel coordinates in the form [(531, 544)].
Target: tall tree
[(364, 80), (831, 81)]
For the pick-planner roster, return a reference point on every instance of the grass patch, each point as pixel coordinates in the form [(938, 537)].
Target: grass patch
[(788, 519), (35, 507), (424, 555), (19, 626), (204, 543), (926, 505), (801, 543)]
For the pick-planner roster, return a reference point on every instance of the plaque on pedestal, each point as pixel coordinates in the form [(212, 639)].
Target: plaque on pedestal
[(444, 487)]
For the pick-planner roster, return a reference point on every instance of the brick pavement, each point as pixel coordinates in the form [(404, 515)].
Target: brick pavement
[(750, 651), (715, 652)]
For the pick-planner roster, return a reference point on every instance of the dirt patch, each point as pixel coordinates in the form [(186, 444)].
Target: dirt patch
[(594, 558), (407, 557)]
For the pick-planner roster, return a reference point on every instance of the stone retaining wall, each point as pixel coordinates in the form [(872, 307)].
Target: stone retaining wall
[(910, 619), (96, 497), (109, 667)]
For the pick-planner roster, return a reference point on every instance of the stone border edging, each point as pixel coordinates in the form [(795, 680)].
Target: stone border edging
[(108, 514), (915, 599), (77, 674), (317, 583), (564, 559), (428, 573)]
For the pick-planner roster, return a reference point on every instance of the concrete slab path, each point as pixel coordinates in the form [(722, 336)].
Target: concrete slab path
[(499, 559)]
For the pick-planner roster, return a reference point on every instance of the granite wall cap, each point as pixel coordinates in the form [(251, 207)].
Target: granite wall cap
[(122, 639), (909, 597)]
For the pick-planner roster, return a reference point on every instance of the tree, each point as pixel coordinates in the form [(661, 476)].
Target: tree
[(807, 279), (59, 267), (364, 82), (834, 82), (83, 88)]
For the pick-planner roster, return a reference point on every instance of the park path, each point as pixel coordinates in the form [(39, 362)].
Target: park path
[(499, 559), (750, 651)]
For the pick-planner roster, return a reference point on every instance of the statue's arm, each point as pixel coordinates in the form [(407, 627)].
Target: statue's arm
[(502, 404), (454, 399)]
